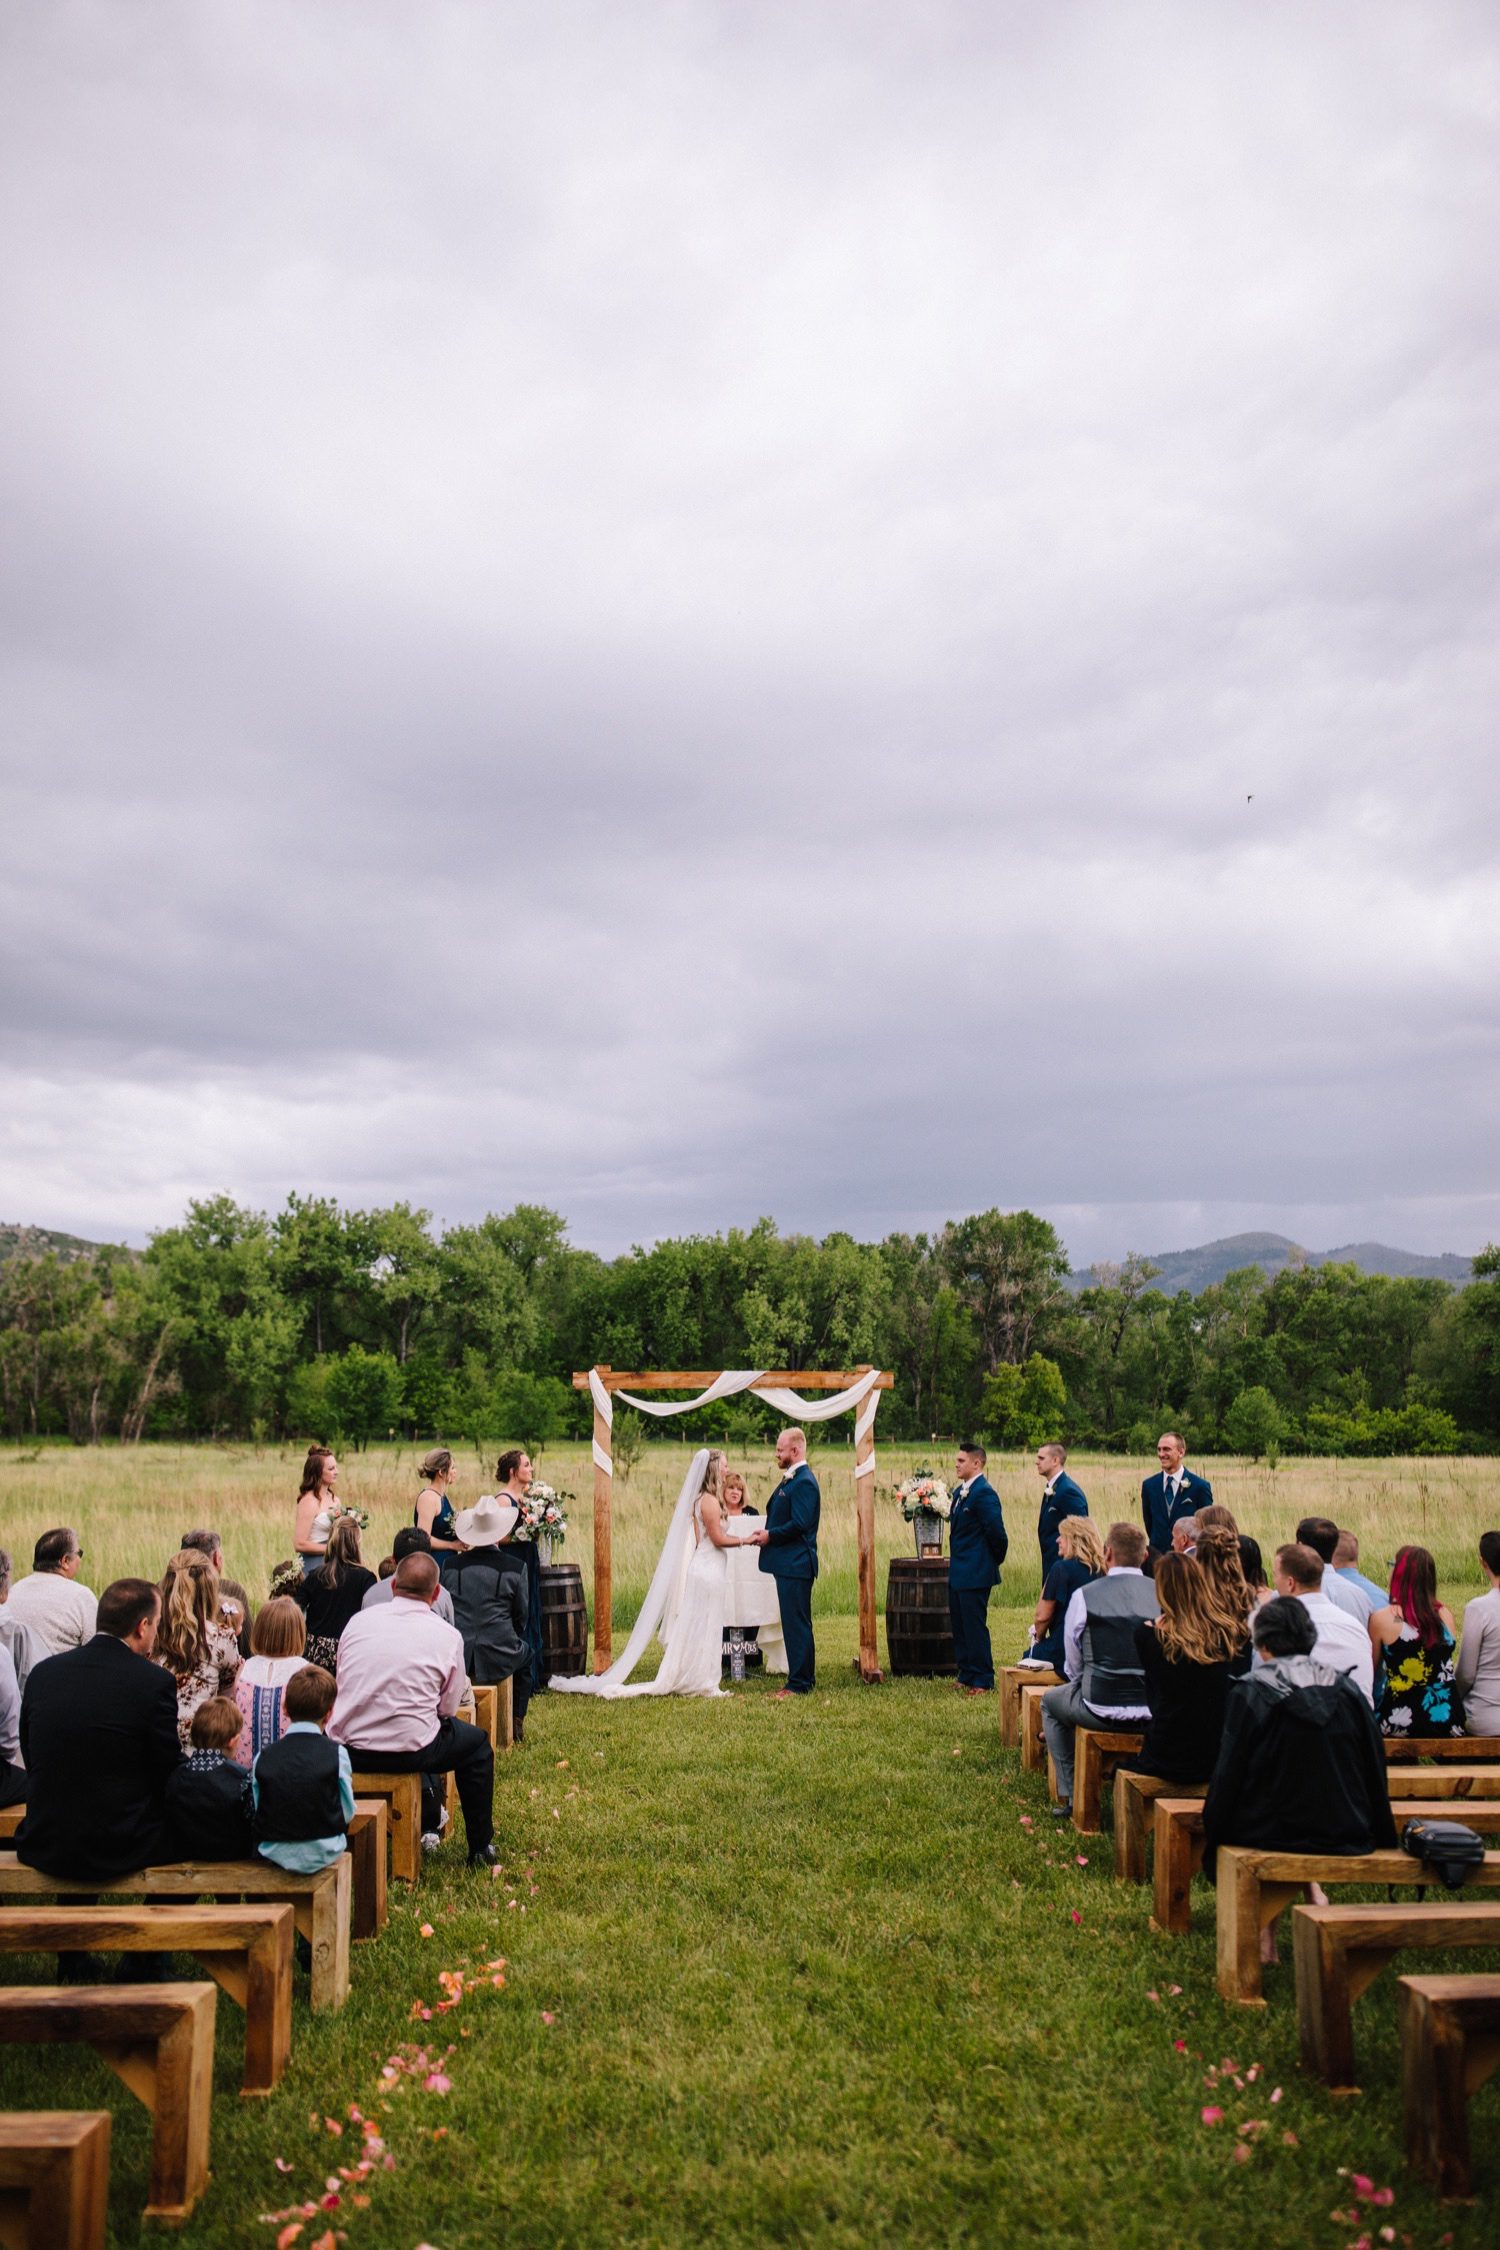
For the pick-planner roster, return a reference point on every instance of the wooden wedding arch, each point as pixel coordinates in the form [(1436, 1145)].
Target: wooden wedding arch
[(611, 1382)]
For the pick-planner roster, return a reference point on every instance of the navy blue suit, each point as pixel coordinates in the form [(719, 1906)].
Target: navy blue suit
[(1065, 1499), (977, 1545), (791, 1558), (1193, 1493)]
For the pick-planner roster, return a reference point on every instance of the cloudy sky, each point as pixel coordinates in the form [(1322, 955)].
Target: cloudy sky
[(848, 610)]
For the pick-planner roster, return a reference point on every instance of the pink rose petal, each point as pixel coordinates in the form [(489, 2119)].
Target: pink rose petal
[(1212, 2116)]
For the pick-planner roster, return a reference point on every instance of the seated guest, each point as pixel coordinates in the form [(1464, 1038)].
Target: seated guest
[(1252, 1563), (193, 1643), (1321, 1533), (234, 1602), (208, 1805), (1415, 1636), (302, 1786), (13, 1634), (1080, 1558), (1184, 1536), (1104, 1680), (277, 1640), (1341, 1643), (330, 1595), (489, 1603), (56, 1611), (1300, 1768), (99, 1739), (12, 1767), (409, 1540), (1189, 1655), (401, 1680), (1346, 1566), (285, 1579), (1217, 1555), (1215, 1518), (1479, 1655)]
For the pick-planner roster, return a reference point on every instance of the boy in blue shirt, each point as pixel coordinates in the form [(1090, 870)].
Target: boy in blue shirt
[(302, 1786)]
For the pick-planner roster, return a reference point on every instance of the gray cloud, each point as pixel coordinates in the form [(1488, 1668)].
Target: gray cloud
[(680, 612)]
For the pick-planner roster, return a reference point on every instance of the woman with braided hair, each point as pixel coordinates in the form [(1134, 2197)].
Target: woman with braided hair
[(1190, 1655)]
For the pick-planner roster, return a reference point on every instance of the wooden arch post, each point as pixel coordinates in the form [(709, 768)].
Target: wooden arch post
[(699, 1380)]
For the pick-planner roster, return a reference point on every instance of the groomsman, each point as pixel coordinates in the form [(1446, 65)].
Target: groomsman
[(976, 1549), (1060, 1497), (789, 1554), (1174, 1492)]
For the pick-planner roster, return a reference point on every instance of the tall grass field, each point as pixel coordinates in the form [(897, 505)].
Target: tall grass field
[(819, 1972)]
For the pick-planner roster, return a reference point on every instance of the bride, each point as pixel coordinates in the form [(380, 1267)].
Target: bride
[(690, 1579)]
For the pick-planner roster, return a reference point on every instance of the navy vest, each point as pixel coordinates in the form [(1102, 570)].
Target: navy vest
[(298, 1782)]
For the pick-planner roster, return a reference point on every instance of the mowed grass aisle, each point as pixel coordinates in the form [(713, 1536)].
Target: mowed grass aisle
[(792, 1973)]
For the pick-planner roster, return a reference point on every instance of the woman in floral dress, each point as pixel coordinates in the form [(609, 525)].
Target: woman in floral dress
[(192, 1641), (1415, 1644)]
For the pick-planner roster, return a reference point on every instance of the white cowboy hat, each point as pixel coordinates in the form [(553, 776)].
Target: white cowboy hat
[(486, 1523)]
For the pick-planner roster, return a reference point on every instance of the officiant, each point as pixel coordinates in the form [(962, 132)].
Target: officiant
[(751, 1610)]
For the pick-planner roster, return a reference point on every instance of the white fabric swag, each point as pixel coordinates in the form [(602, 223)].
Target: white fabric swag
[(860, 1393)]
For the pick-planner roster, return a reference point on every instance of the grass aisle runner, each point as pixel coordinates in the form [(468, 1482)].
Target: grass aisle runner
[(817, 1972)]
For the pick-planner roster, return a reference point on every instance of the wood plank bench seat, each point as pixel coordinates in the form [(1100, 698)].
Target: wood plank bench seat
[(247, 1950), (54, 2178), (1254, 1887), (1339, 1951), (1010, 1679), (1450, 2044), (159, 2040), (1097, 1751), (403, 1800), (1464, 1749), (320, 1902)]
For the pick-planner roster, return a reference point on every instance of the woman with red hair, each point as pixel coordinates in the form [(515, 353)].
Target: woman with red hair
[(1415, 1644)]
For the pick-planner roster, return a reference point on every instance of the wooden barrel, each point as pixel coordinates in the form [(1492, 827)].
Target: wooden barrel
[(918, 1630), (565, 1618)]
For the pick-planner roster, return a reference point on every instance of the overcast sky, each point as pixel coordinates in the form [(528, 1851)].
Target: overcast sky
[(685, 610)]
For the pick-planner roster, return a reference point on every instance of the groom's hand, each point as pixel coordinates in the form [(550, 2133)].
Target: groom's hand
[(759, 1539)]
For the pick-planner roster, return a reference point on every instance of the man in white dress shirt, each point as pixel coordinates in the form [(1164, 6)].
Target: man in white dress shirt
[(1321, 1533), (1341, 1644)]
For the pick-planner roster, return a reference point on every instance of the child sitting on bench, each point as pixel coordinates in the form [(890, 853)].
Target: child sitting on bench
[(302, 1786), (208, 1813)]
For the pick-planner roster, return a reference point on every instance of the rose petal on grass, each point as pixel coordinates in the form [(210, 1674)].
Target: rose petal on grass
[(425, 1930), (282, 2164), (288, 2235), (1241, 2152), (548, 2016), (1212, 2116), (1275, 2093), (1074, 1916)]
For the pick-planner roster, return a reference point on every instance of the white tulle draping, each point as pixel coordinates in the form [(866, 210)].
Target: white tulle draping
[(728, 1385)]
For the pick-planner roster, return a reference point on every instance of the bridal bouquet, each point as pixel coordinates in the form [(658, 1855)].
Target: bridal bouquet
[(542, 1515), (359, 1517), (924, 1494)]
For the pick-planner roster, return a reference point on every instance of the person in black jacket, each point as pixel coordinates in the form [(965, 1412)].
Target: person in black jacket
[(208, 1801), (99, 1737), (489, 1598)]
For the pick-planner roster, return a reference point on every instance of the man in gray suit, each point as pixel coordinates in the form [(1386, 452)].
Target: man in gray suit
[(1105, 1684)]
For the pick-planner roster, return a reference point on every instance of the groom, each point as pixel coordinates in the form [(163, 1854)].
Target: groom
[(789, 1552)]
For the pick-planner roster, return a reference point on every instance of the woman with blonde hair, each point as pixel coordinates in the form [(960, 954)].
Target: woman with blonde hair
[(192, 1641), (277, 1640), (1231, 1595), (1080, 1559), (1190, 1655)]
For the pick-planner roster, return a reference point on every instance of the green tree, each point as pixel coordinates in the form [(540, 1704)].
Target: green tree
[(364, 1395), (1007, 1268), (1024, 1406), (1254, 1423)]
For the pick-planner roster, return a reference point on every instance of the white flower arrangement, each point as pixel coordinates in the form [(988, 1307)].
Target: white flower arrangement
[(924, 1494), (542, 1513)]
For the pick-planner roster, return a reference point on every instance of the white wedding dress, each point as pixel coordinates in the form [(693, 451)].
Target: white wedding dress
[(686, 1600)]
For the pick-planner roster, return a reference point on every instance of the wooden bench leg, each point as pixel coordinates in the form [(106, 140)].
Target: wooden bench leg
[(173, 2076), (260, 1982), (1088, 1784), (1434, 2094), (1330, 1978), (1135, 1797), (368, 1846), (1246, 1905), (1033, 1740), (505, 1715), (54, 2179), (323, 1919), (1178, 1855)]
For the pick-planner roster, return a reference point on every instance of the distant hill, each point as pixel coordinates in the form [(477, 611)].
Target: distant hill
[(1197, 1269), (35, 1242)]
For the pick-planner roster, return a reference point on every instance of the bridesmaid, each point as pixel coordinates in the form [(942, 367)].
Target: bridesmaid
[(316, 1497), (433, 1512)]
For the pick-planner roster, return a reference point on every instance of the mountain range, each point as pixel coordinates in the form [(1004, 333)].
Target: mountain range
[(1209, 1262)]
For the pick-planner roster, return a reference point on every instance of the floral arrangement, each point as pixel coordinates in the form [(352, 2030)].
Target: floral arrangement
[(542, 1514), (924, 1494), (359, 1517)]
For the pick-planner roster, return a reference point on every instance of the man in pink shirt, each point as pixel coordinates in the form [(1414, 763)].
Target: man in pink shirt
[(401, 1678)]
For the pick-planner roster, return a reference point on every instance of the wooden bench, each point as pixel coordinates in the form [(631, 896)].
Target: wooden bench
[(320, 1902), (1135, 1801), (1010, 1679), (1450, 2044), (1096, 1753), (158, 2039), (11, 1817), (403, 1801), (367, 1857), (1254, 1887), (1339, 1951), (495, 1707), (1474, 1748), (54, 2178), (247, 1950), (1033, 1740)]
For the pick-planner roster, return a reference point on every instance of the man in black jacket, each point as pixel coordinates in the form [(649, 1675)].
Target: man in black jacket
[(99, 1737)]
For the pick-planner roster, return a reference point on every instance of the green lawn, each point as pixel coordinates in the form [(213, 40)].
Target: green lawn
[(811, 1979)]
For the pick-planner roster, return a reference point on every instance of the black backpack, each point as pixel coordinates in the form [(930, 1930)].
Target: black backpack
[(1446, 1846)]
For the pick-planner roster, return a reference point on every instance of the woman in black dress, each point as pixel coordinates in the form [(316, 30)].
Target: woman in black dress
[(1190, 1654), (332, 1595)]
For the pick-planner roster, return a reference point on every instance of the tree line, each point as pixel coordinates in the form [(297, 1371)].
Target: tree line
[(356, 1325)]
